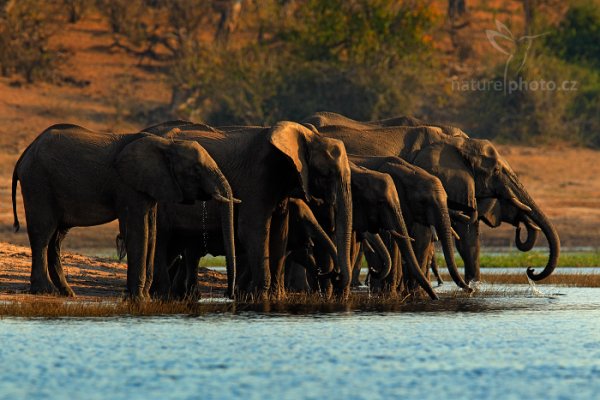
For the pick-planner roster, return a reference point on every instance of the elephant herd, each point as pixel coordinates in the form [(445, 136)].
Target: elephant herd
[(296, 205)]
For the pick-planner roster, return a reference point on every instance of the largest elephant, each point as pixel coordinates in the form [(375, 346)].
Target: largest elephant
[(71, 176), (264, 165), (471, 170)]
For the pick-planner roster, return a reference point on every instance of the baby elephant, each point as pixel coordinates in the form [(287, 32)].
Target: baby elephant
[(71, 176)]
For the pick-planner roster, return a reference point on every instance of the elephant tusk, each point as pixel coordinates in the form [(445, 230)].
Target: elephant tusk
[(520, 205), (527, 221), (224, 199), (368, 247), (454, 234), (434, 233), (459, 215), (399, 236)]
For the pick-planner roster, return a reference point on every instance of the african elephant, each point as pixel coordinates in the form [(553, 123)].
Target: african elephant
[(329, 119), (264, 166), (424, 203), (377, 208), (470, 170), (71, 176)]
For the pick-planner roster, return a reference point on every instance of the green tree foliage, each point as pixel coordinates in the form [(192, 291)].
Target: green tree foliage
[(577, 38), (357, 57)]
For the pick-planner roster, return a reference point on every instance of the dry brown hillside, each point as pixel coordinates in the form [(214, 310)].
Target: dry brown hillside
[(110, 83)]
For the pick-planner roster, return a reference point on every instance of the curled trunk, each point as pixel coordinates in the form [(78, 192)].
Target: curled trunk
[(541, 220), (532, 236)]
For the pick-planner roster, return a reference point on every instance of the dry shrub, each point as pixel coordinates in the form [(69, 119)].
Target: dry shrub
[(26, 27)]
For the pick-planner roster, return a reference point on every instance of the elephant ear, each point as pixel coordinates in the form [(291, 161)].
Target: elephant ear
[(291, 139), (446, 162), (145, 165), (490, 211)]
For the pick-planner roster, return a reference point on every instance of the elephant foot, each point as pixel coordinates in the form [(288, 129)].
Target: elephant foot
[(277, 294), (133, 299), (66, 291), (342, 294), (137, 297), (43, 287)]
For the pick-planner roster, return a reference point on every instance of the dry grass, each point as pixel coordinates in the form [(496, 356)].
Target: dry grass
[(26, 306)]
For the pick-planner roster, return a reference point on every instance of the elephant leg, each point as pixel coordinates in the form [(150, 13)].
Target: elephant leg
[(373, 260), (150, 252), (391, 281), (254, 234), (277, 251), (357, 264), (434, 267), (192, 257), (178, 277), (41, 226), (55, 265), (161, 281), (325, 267), (422, 249), (312, 272), (136, 241), (296, 277), (244, 277), (468, 248)]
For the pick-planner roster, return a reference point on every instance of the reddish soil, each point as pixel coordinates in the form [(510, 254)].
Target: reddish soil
[(90, 277)]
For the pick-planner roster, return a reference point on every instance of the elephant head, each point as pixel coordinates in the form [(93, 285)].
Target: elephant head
[(322, 171), (179, 171), (377, 208), (494, 211), (472, 170)]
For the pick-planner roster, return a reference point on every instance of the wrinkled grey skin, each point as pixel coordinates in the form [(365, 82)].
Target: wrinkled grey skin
[(424, 203), (470, 170), (71, 176), (264, 166), (377, 209)]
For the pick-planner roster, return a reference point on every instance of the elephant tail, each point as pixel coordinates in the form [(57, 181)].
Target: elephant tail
[(15, 179)]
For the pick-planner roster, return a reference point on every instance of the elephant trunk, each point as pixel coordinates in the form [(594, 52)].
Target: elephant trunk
[(343, 232), (321, 238), (227, 222), (381, 250), (444, 228), (541, 220), (404, 242), (532, 236)]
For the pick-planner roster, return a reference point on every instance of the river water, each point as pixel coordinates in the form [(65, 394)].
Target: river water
[(513, 346)]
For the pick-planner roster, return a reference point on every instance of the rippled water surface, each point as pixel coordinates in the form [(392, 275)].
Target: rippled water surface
[(504, 347)]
